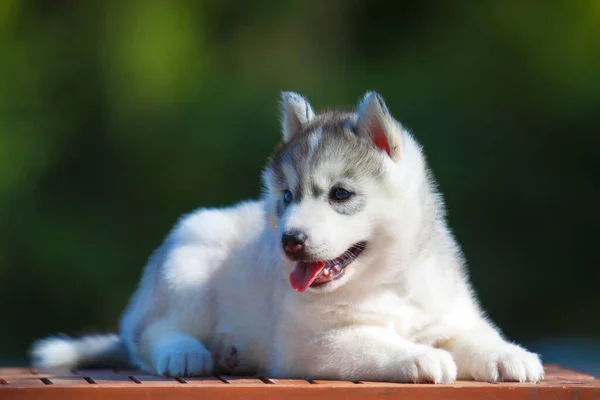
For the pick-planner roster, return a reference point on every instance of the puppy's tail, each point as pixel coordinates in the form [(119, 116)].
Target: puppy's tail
[(90, 351)]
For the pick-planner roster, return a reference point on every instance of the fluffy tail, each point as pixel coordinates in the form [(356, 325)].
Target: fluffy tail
[(90, 351)]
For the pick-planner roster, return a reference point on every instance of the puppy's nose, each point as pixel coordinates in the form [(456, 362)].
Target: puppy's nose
[(293, 242)]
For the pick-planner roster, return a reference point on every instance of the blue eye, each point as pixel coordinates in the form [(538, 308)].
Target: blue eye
[(339, 194), (287, 197)]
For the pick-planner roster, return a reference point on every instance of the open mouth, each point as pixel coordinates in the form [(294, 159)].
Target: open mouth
[(316, 273)]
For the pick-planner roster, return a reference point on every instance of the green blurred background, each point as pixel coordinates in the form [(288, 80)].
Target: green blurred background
[(118, 116)]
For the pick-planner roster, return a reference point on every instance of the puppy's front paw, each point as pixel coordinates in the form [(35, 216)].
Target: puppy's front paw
[(183, 357), (507, 363), (427, 365)]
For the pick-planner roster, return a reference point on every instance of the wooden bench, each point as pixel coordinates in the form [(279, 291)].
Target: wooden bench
[(26, 383)]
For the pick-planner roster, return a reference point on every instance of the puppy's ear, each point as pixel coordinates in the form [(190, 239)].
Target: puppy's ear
[(376, 124), (295, 112)]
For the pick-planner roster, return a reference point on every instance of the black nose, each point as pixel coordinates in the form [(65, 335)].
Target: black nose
[(293, 242)]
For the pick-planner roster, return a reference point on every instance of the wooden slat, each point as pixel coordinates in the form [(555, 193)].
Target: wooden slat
[(203, 381), (289, 382), (374, 383), (556, 372), (68, 381), (8, 372), (16, 373), (236, 380), (21, 382), (156, 380), (25, 375), (331, 383), (48, 372)]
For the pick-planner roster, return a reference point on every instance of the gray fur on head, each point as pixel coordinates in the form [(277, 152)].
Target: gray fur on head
[(295, 112)]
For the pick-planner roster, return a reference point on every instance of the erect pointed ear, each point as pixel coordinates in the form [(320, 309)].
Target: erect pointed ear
[(295, 112), (376, 124)]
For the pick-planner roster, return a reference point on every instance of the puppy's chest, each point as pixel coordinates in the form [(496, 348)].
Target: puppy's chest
[(401, 315)]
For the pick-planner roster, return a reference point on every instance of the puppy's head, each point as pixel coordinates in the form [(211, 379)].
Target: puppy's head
[(335, 188)]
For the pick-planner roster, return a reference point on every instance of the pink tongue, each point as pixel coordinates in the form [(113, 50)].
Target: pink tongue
[(304, 274)]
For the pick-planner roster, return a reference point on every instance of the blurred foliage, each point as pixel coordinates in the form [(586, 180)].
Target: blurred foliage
[(118, 116)]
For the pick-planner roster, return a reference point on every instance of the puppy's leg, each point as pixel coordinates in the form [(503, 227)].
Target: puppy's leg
[(154, 323), (482, 354), (174, 353), (368, 353)]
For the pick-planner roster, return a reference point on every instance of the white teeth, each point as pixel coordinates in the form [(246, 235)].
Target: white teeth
[(326, 272)]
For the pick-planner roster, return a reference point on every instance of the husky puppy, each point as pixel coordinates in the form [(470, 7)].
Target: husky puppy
[(344, 269)]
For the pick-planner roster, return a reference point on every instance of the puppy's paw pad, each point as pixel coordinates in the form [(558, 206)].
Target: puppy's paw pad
[(226, 352), (428, 365), (184, 358), (508, 363)]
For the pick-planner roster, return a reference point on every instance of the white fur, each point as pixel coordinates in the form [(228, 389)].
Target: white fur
[(55, 351), (295, 111), (66, 352), (404, 310)]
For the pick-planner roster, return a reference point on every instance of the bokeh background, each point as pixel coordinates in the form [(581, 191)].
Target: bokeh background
[(116, 117)]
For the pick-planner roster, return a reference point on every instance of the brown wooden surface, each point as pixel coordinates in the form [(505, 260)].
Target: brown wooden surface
[(26, 383)]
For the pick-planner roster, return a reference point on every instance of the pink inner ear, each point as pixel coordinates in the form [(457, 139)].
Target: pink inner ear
[(380, 139)]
